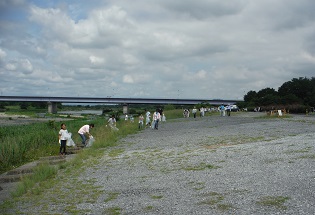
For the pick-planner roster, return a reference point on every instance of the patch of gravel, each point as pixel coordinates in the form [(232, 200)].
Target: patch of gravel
[(210, 165)]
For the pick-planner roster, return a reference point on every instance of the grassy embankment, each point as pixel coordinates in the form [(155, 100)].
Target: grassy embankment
[(21, 144), (25, 143)]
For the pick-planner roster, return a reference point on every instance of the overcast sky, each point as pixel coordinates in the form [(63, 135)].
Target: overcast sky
[(205, 49)]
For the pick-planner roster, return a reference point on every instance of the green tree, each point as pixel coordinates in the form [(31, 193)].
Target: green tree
[(268, 99), (266, 91), (302, 88), (251, 96)]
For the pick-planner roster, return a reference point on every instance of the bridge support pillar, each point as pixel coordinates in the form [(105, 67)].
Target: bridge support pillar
[(52, 107), (125, 108)]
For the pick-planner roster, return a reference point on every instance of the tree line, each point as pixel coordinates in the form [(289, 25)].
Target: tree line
[(296, 96)]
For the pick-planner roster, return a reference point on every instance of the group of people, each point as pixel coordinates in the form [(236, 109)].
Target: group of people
[(84, 131), (65, 136), (194, 112), (224, 110), (156, 118)]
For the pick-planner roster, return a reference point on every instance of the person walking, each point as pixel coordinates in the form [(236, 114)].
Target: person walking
[(85, 130), (228, 110), (222, 110), (141, 121), (147, 119), (163, 118), (194, 112), (156, 119), (202, 112), (63, 137)]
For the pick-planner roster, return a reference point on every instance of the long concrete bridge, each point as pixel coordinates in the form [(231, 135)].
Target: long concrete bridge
[(52, 101)]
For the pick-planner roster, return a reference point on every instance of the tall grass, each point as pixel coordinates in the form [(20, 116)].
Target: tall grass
[(24, 143), (104, 138), (173, 114), (41, 173)]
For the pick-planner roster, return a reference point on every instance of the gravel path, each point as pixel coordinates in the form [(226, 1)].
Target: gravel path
[(212, 165)]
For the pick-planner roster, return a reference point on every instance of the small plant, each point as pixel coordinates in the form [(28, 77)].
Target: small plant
[(214, 198), (111, 196), (112, 211), (149, 208), (307, 149), (274, 201), (308, 156), (156, 197), (225, 207)]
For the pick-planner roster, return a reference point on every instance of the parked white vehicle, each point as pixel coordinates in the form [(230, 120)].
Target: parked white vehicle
[(232, 107)]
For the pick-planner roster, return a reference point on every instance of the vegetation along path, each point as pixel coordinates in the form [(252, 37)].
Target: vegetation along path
[(243, 164)]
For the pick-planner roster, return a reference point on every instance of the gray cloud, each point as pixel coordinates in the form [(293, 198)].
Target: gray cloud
[(187, 49)]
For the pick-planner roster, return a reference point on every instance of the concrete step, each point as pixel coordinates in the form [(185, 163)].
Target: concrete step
[(20, 171), (53, 162), (51, 158), (13, 178)]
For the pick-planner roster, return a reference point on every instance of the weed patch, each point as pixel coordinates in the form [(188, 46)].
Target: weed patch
[(312, 156), (111, 196), (215, 201), (273, 201), (112, 211), (217, 142), (156, 197), (305, 150)]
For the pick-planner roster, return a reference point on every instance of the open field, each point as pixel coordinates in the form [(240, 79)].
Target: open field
[(243, 164)]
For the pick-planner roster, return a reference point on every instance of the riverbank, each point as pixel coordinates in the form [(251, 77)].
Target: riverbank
[(14, 119), (243, 164)]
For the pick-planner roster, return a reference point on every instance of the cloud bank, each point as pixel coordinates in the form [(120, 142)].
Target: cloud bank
[(204, 49)]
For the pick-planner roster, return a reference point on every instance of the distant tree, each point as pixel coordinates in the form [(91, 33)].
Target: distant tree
[(266, 91), (302, 88), (290, 99), (268, 99), (250, 96), (296, 95)]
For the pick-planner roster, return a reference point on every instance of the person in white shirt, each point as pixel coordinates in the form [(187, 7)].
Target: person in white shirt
[(112, 123), (202, 112), (228, 110), (163, 118), (147, 119), (194, 111), (63, 137), (85, 130), (141, 121), (156, 119)]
